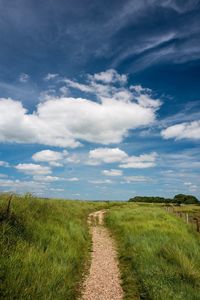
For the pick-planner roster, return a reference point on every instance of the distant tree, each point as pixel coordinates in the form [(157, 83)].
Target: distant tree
[(151, 199), (186, 199), (178, 199)]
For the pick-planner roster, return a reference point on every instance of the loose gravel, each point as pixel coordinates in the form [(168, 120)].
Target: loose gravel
[(103, 280)]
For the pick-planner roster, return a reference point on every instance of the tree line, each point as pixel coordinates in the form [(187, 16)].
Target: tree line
[(178, 199)]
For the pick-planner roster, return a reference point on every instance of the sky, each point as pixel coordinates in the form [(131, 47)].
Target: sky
[(100, 100)]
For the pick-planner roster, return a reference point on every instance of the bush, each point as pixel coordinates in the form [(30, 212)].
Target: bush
[(186, 199)]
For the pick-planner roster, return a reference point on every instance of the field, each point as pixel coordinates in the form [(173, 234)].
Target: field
[(159, 253), (45, 247)]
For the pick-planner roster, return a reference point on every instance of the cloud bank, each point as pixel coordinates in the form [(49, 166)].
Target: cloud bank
[(66, 121)]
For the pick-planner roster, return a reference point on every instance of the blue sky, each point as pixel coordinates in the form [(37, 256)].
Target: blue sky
[(100, 99)]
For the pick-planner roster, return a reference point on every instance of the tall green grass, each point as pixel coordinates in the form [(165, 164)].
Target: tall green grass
[(159, 253), (44, 245)]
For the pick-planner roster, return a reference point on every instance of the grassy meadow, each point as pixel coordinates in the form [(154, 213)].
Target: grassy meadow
[(159, 253), (44, 245)]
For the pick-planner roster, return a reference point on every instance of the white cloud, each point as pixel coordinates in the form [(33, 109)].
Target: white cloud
[(112, 172), (79, 86), (72, 179), (183, 131), (114, 155), (140, 162), (143, 96), (23, 77), (131, 179), (56, 190), (33, 169), (49, 156), (64, 90), (4, 164), (101, 181), (62, 122), (23, 186), (48, 178), (65, 121), (55, 164), (50, 76), (106, 155), (73, 159), (109, 76)]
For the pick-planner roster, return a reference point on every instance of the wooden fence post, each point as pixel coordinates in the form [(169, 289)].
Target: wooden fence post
[(8, 209), (197, 223), (187, 218)]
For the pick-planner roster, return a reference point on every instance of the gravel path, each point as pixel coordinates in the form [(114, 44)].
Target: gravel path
[(103, 281)]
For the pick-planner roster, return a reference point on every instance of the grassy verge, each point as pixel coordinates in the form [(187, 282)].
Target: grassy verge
[(159, 253), (44, 245)]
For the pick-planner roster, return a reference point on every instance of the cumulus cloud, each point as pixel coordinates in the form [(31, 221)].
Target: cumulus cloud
[(33, 169), (116, 155), (140, 162), (112, 172), (66, 121), (188, 130), (52, 157), (106, 155)]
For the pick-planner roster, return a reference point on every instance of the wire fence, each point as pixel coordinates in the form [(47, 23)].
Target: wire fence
[(189, 218)]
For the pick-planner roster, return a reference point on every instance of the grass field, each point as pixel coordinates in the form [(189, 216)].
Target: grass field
[(44, 245), (159, 253)]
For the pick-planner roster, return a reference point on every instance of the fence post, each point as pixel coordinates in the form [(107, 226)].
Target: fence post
[(8, 209), (187, 218), (197, 223)]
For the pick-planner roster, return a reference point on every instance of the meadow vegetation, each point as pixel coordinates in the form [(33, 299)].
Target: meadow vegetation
[(44, 245), (159, 253)]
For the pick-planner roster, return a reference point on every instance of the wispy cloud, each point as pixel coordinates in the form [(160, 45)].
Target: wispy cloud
[(23, 77), (33, 169), (183, 131), (112, 172), (4, 164)]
